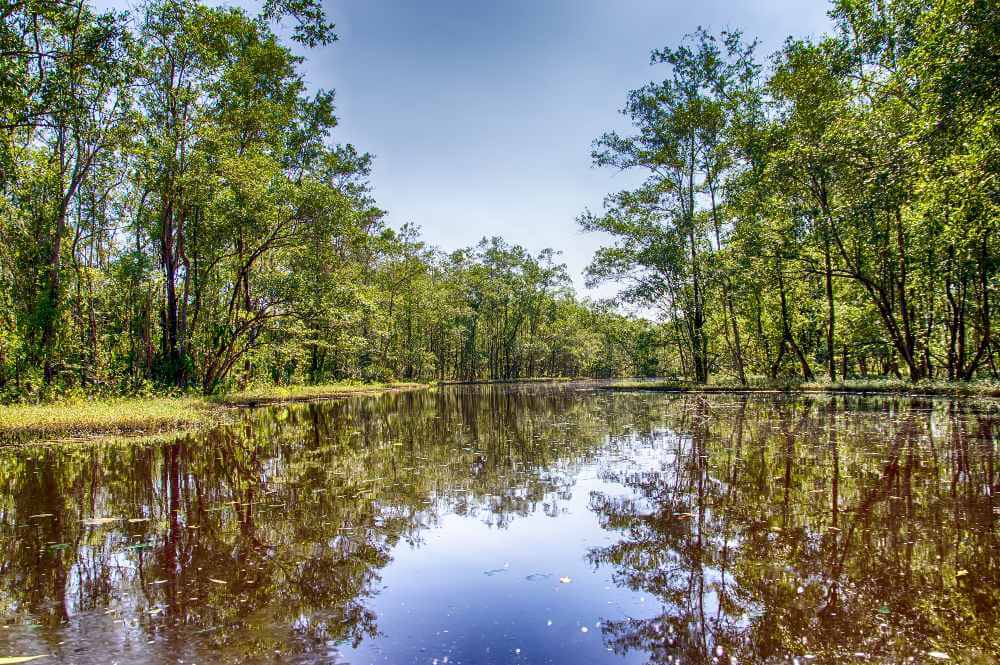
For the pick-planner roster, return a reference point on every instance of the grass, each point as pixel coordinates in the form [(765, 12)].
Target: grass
[(24, 423), (277, 394), (892, 386), (151, 416)]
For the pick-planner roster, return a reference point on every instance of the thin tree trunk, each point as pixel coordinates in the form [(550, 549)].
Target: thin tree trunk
[(831, 318)]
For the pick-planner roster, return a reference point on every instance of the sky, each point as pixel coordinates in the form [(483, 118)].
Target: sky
[(481, 114)]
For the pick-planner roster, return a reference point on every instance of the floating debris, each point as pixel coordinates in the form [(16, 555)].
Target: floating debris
[(99, 521)]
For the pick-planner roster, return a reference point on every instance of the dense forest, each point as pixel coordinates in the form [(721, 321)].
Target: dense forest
[(832, 210), (175, 213)]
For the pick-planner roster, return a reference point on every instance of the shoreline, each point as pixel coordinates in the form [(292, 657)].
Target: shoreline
[(952, 390), (136, 418), (494, 382)]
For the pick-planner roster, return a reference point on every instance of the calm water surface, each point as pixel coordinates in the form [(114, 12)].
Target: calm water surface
[(533, 524)]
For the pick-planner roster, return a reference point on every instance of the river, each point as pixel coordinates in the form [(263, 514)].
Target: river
[(516, 524)]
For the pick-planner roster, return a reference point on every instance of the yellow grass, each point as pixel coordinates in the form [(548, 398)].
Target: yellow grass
[(144, 416), (298, 393)]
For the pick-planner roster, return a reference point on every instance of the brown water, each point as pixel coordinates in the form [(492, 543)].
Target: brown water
[(534, 524)]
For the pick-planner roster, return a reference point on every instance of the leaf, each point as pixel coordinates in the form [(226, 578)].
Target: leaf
[(938, 655), (215, 581)]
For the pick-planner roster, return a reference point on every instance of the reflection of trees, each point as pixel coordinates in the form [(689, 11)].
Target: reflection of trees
[(270, 534), (801, 526), (760, 522)]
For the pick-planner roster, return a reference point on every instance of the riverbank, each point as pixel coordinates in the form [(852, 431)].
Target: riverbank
[(152, 416), (861, 386), (532, 379)]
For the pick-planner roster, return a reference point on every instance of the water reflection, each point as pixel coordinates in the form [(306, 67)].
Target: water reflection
[(831, 529), (394, 528)]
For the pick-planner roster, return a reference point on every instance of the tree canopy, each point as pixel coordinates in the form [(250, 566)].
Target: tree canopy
[(836, 209), (177, 214)]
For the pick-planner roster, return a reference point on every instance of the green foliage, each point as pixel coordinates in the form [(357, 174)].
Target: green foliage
[(176, 216), (850, 192)]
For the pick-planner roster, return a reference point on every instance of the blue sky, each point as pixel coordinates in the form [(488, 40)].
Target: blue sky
[(481, 114)]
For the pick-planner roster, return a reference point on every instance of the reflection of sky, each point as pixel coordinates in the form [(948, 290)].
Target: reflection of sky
[(476, 593)]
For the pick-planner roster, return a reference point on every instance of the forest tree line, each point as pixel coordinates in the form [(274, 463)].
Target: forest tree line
[(832, 210), (174, 213)]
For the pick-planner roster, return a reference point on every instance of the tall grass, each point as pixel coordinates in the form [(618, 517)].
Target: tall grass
[(142, 416), (22, 423)]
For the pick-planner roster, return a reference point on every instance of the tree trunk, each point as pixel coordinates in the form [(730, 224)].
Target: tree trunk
[(830, 319)]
